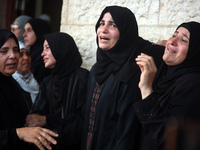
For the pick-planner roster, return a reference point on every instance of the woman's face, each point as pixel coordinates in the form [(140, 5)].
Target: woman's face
[(48, 57), (9, 56), (177, 47), (16, 29), (108, 33), (29, 35), (24, 64)]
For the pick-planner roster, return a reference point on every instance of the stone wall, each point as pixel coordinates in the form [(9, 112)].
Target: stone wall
[(157, 20)]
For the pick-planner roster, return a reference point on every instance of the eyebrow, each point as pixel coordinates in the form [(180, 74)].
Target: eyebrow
[(8, 47), (28, 28), (183, 34), (108, 21), (2, 48)]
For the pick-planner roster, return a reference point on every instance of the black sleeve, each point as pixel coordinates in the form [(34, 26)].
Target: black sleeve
[(69, 129), (40, 106), (183, 102), (9, 139)]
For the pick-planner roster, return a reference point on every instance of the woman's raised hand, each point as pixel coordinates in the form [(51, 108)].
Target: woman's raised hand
[(148, 71)]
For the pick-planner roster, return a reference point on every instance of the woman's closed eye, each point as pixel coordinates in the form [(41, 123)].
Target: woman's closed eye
[(3, 50)]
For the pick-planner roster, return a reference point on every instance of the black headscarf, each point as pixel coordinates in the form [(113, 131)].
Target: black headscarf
[(119, 60), (13, 108), (167, 75), (5, 34), (40, 28), (68, 59), (65, 51)]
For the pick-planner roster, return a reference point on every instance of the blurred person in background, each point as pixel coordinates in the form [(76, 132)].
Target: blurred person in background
[(24, 76), (17, 27), (33, 36)]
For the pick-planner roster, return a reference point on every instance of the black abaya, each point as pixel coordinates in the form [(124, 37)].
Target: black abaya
[(62, 93), (176, 92), (13, 108)]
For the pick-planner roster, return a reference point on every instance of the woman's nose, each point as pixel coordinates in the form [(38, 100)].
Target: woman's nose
[(25, 56), (105, 29), (24, 34), (12, 54), (42, 54), (174, 41)]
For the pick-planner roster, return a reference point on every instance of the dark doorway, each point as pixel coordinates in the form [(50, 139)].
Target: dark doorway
[(15, 8), (53, 9)]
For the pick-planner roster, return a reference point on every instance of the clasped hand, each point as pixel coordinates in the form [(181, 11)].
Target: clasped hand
[(34, 120)]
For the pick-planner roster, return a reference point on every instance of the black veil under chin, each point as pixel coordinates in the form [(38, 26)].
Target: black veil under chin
[(122, 55)]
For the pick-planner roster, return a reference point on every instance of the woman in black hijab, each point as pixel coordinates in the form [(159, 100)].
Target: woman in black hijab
[(175, 93), (62, 93), (33, 37), (14, 107), (110, 121)]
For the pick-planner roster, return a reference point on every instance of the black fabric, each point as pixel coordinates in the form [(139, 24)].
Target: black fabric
[(142, 43), (5, 34), (176, 93), (63, 97), (116, 126), (62, 93), (180, 101), (69, 129), (40, 28), (13, 108), (119, 59), (156, 51)]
